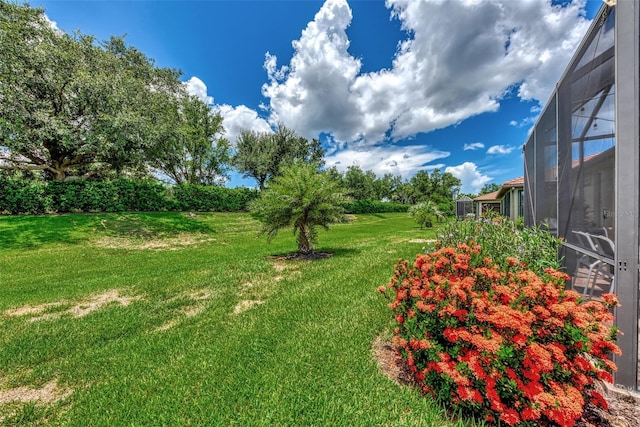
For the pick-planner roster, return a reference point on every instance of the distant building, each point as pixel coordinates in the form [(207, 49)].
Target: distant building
[(464, 207), (512, 198), (507, 201), (487, 202)]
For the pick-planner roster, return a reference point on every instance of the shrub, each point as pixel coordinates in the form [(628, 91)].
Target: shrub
[(140, 196), (425, 213), (501, 238), (203, 198), (106, 196), (499, 341), (20, 197)]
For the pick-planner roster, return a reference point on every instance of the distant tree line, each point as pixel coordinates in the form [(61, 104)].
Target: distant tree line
[(73, 108), (437, 187)]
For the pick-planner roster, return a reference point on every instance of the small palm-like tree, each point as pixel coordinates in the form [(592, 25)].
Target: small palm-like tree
[(425, 212), (303, 198)]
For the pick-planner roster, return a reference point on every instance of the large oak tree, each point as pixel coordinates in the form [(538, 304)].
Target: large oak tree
[(73, 107)]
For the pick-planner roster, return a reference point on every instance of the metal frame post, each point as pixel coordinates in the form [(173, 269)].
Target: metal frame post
[(627, 51)]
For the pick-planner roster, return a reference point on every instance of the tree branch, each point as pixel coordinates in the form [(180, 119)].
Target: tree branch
[(75, 161), (30, 167), (96, 171)]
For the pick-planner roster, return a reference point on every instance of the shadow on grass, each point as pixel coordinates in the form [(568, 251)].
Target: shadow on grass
[(21, 232), (319, 254), (378, 215), (151, 224)]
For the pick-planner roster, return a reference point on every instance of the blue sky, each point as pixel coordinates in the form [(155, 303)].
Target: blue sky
[(392, 86)]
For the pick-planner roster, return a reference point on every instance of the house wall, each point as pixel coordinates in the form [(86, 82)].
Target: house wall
[(512, 203), (486, 206)]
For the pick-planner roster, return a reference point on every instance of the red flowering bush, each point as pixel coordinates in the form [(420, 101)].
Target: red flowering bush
[(499, 341)]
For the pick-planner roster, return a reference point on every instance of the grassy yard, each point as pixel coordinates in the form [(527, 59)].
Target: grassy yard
[(172, 319)]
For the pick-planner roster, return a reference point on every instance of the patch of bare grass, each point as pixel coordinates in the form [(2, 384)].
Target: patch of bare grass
[(400, 240), (50, 392), (77, 309), (32, 310), (153, 243), (254, 292), (422, 240), (195, 307), (281, 265), (199, 295), (13, 400), (245, 305), (261, 286)]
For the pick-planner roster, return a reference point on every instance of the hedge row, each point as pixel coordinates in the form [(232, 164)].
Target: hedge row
[(204, 198), (18, 197), (374, 206), (122, 195)]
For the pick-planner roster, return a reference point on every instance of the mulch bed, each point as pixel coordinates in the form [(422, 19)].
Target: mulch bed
[(303, 257)]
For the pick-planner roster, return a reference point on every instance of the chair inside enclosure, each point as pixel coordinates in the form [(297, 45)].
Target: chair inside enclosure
[(586, 264), (604, 246)]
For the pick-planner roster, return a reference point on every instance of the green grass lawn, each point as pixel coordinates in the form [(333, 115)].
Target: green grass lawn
[(171, 319)]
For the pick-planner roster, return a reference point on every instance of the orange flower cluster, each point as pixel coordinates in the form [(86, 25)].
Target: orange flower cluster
[(500, 341)]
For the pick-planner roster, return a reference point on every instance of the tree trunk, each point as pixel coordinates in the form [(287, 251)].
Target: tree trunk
[(305, 247), (58, 174)]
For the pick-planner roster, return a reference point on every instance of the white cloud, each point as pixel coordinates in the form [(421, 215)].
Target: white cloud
[(312, 93), (472, 179), (554, 32), (52, 24), (473, 146), (500, 149), (527, 121), (196, 87), (403, 161), (237, 119), (439, 77)]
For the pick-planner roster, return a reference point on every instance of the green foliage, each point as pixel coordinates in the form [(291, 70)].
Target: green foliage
[(106, 196), (192, 149), (179, 355), (302, 198), (387, 186), (440, 188), (72, 106), (18, 196), (261, 155), (490, 188), (426, 213), (201, 198), (498, 341), (120, 195), (373, 206), (501, 238), (360, 184), (421, 185)]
